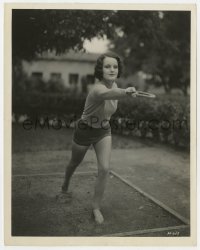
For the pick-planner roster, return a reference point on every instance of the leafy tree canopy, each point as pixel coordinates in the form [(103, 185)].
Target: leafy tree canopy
[(35, 31), (156, 42)]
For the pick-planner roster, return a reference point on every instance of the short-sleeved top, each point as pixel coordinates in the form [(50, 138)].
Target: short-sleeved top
[(97, 113)]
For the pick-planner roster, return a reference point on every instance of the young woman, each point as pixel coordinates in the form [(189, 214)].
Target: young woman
[(94, 128)]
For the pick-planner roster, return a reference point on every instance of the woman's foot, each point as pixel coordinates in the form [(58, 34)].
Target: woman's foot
[(98, 217), (64, 188), (64, 197)]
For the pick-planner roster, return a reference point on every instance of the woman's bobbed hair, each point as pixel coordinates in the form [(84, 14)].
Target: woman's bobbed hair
[(98, 71)]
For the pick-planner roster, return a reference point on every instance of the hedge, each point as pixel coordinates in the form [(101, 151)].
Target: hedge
[(165, 119), (160, 119)]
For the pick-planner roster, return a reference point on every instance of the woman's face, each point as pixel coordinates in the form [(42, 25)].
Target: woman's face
[(110, 69)]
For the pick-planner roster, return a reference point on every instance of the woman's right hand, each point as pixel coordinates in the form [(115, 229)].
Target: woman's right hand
[(131, 91)]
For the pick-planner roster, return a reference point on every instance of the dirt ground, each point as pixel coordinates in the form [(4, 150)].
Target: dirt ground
[(43, 214), (161, 171)]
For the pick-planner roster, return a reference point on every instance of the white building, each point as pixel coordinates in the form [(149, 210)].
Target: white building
[(76, 70)]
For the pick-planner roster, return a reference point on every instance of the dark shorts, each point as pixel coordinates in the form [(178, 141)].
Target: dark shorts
[(85, 135)]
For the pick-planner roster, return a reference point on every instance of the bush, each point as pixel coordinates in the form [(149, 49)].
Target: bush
[(36, 104), (164, 119)]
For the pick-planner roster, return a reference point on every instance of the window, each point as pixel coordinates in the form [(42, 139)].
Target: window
[(73, 78), (36, 82), (37, 75), (55, 76)]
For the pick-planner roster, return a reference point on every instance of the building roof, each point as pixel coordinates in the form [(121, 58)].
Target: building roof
[(70, 56)]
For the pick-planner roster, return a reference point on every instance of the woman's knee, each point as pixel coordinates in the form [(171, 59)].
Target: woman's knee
[(103, 169)]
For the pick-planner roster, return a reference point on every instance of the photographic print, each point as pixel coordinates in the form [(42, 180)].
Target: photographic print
[(100, 118)]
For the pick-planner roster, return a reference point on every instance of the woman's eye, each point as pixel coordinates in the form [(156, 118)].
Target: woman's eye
[(109, 66)]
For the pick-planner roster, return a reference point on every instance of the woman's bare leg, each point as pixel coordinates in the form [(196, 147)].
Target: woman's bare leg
[(78, 153), (103, 151)]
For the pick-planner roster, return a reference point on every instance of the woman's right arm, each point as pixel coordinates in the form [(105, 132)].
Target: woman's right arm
[(114, 94)]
